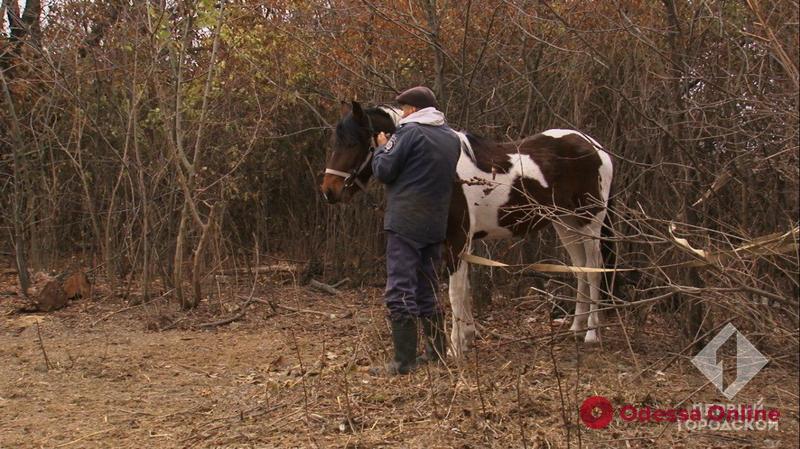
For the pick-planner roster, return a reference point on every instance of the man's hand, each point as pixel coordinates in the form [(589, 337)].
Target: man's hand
[(381, 138)]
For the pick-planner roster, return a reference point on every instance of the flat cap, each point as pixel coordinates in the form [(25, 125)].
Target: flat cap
[(420, 97)]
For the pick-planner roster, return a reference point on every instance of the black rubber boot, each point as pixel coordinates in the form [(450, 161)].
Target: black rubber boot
[(435, 341), (404, 338)]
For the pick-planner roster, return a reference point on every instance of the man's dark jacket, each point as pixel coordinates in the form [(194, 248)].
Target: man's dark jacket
[(418, 166)]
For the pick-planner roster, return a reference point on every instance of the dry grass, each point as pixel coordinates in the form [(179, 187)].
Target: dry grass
[(299, 379)]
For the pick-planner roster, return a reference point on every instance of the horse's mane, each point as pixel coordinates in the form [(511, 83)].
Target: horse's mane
[(477, 140), (380, 108), (347, 130), (488, 153)]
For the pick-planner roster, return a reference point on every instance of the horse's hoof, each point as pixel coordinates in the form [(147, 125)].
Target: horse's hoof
[(461, 340), (592, 337), (457, 349), (578, 328), (579, 336)]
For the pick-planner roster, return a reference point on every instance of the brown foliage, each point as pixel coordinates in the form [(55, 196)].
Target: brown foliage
[(77, 285), (133, 133), (51, 297)]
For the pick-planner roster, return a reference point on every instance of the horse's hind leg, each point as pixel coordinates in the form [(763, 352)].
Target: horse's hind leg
[(594, 259), (572, 242)]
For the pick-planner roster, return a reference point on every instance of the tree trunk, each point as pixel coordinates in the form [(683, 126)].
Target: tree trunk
[(20, 245), (693, 307), (434, 27)]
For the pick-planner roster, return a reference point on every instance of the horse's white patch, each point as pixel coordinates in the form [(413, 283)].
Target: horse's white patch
[(606, 171), (465, 145), (559, 133)]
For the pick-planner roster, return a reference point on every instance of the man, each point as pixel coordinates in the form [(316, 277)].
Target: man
[(418, 166)]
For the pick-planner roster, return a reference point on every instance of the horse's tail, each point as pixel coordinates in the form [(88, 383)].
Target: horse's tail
[(608, 251), (608, 248), (613, 281)]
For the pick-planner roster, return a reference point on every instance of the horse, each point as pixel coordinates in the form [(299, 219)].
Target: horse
[(560, 177)]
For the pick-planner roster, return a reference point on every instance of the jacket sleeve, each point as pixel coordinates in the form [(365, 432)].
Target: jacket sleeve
[(389, 159)]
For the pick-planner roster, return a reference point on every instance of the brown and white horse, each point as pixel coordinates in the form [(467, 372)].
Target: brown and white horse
[(559, 177)]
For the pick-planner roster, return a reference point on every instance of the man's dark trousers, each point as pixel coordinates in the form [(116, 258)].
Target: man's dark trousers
[(411, 277)]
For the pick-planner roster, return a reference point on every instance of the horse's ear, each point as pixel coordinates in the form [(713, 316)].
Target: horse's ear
[(358, 113)]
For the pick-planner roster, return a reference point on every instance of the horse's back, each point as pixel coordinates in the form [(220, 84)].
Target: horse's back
[(560, 168), (578, 160)]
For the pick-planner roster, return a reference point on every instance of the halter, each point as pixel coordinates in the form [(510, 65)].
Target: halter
[(353, 176)]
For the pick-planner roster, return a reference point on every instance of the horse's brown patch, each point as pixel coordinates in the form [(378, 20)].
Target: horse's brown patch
[(491, 157), (528, 207), (457, 226), (479, 235), (570, 166)]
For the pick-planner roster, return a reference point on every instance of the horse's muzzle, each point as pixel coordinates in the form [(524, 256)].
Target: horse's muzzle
[(329, 196), (331, 190)]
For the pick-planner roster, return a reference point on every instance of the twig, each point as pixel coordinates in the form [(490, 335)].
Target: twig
[(41, 345), (298, 310), (172, 325), (243, 307), (340, 283), (257, 270), (302, 377), (564, 418), (124, 309), (480, 393), (323, 287), (84, 437), (315, 312), (348, 406), (577, 387), (520, 414), (686, 348), (237, 316), (551, 334)]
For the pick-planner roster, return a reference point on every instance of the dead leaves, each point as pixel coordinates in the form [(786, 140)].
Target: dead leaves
[(50, 293), (77, 285)]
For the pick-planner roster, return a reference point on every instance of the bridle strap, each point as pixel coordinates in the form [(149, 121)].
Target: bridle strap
[(339, 173), (357, 174), (353, 177)]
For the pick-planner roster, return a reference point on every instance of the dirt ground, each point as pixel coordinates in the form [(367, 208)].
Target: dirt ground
[(123, 376)]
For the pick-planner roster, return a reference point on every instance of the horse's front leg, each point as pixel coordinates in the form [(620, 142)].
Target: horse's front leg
[(463, 332)]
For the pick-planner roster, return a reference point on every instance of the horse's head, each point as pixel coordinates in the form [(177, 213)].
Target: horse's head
[(349, 163)]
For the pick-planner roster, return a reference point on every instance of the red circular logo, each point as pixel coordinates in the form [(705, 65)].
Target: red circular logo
[(601, 420)]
